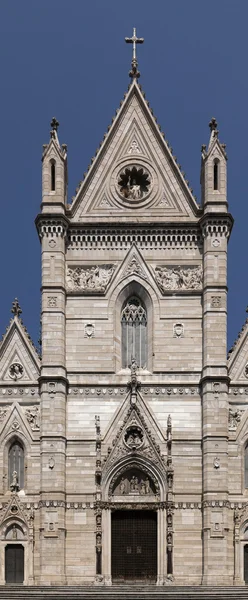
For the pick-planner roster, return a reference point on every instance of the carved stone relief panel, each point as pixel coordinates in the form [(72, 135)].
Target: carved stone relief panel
[(178, 278), (89, 279), (134, 482)]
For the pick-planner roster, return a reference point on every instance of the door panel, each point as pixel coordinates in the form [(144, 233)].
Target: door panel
[(246, 564), (134, 545), (14, 563)]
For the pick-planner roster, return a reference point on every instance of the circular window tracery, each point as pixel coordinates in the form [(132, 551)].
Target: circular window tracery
[(134, 182)]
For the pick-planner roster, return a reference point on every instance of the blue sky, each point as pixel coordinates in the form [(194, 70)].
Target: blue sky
[(69, 59)]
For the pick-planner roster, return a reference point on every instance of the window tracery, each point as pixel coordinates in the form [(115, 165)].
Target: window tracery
[(134, 333)]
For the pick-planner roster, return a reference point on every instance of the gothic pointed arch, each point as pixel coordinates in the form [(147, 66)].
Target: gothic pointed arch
[(144, 295), (134, 465)]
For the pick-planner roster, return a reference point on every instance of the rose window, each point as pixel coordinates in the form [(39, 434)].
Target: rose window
[(134, 183)]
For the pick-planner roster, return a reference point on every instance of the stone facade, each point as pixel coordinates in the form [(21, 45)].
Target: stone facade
[(167, 436)]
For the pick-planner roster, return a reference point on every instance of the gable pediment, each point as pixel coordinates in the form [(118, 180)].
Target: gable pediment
[(238, 358), (19, 361), (134, 173)]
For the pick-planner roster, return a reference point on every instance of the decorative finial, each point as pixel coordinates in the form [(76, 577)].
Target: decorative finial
[(213, 125), (134, 73), (54, 125), (16, 309)]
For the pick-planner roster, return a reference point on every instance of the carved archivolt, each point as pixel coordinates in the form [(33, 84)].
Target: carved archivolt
[(176, 278), (89, 279)]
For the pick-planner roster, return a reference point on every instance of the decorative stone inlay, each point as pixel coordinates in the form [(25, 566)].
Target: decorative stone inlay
[(134, 147), (216, 301), (215, 243), (115, 391), (33, 417), (176, 278), (52, 243), (16, 371), (52, 301), (178, 330), (89, 279), (246, 370), (89, 330)]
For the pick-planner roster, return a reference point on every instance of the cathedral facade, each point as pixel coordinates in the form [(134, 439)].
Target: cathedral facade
[(124, 446)]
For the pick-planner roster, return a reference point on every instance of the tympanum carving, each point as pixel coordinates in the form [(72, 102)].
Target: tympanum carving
[(134, 483)]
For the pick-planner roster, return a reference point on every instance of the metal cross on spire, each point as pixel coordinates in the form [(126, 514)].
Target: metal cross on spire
[(134, 73)]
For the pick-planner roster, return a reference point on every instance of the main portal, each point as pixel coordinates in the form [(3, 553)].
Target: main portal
[(134, 546)]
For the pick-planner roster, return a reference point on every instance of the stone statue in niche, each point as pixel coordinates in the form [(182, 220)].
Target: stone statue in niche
[(176, 278), (95, 278), (14, 486), (134, 484), (133, 189)]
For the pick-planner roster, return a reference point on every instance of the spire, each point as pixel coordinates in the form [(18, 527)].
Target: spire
[(16, 309), (134, 73)]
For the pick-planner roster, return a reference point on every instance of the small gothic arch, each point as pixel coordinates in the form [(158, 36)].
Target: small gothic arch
[(16, 464), (10, 440), (216, 174), (53, 174)]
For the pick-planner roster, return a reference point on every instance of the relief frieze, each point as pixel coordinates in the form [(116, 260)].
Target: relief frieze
[(178, 278), (89, 279)]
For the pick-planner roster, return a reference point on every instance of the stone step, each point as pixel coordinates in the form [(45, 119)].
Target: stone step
[(122, 592)]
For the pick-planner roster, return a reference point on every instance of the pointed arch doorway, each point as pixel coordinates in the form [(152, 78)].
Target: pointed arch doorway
[(134, 546), (14, 563)]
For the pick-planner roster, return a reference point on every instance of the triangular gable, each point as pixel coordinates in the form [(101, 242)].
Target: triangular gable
[(130, 418), (14, 510), (19, 361), (238, 357), (133, 265), (15, 422), (134, 139)]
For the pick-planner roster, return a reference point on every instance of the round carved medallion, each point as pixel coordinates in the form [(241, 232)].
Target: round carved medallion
[(16, 371)]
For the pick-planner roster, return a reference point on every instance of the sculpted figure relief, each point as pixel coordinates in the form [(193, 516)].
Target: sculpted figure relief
[(234, 419), (176, 278), (95, 278), (134, 485), (33, 417)]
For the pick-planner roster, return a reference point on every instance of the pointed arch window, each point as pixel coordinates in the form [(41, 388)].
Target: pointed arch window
[(53, 174), (134, 333), (216, 174), (16, 463), (246, 465)]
